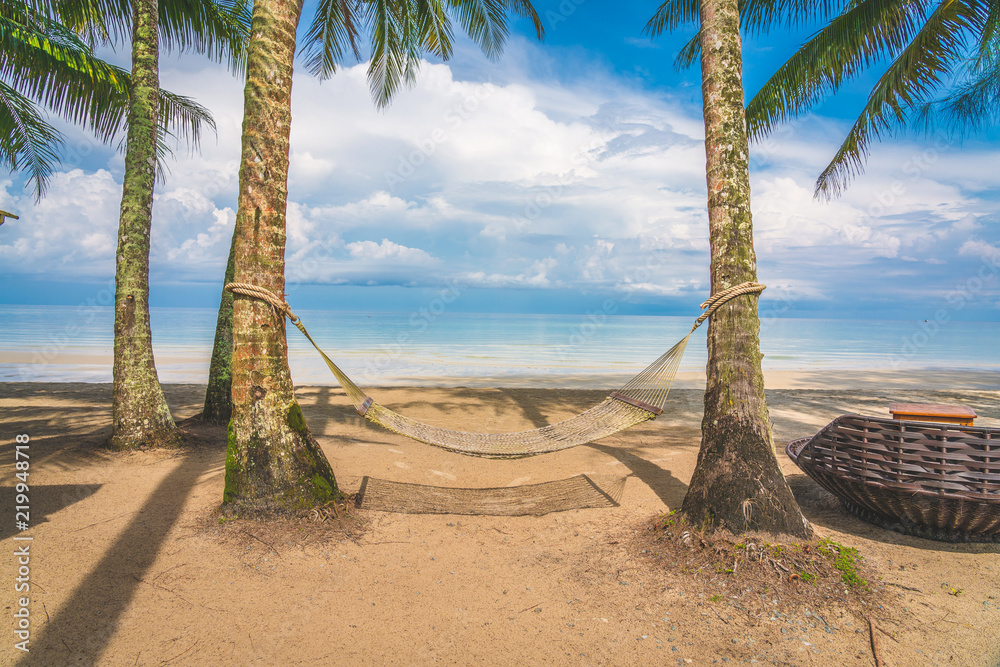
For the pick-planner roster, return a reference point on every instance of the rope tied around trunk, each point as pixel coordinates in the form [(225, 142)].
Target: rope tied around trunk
[(276, 302), (714, 302)]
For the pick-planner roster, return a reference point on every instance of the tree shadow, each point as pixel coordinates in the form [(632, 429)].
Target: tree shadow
[(44, 501), (668, 488), (81, 631)]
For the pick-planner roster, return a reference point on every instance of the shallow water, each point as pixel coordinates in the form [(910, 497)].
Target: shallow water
[(67, 343)]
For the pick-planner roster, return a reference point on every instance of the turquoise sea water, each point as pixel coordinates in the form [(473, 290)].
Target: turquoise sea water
[(66, 343)]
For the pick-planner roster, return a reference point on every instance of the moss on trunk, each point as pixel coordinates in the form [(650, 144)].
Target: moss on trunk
[(218, 396), (273, 462), (737, 483), (140, 415)]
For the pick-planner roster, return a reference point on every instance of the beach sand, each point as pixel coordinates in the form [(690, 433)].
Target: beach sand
[(128, 567)]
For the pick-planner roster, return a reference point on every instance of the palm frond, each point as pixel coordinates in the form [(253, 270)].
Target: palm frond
[(434, 28), (865, 33), (96, 21), (27, 142), (989, 43), (671, 15), (183, 118), (756, 17), (334, 29), (921, 68), (485, 22), (689, 53), (219, 29), (759, 17), (388, 62), (53, 67), (971, 104), (525, 9)]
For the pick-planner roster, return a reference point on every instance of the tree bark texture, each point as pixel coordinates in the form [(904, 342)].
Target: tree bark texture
[(218, 396), (140, 414), (273, 463), (737, 483)]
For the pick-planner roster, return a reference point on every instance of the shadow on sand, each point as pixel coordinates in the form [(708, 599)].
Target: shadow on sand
[(81, 631)]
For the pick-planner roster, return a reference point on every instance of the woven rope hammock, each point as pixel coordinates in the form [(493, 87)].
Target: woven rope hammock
[(642, 398)]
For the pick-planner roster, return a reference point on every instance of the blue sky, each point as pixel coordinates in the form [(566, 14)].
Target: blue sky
[(569, 173)]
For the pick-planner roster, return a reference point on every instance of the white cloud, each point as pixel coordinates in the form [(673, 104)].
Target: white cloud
[(387, 250), (979, 248), (519, 183)]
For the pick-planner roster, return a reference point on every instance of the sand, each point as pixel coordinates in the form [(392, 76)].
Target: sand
[(128, 567)]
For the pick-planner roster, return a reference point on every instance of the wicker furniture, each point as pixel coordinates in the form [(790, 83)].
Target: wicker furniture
[(935, 480)]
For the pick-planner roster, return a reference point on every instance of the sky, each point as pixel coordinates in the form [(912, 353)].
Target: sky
[(566, 176)]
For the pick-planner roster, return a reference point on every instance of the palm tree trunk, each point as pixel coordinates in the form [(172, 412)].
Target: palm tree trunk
[(219, 396), (737, 483), (273, 463), (140, 414)]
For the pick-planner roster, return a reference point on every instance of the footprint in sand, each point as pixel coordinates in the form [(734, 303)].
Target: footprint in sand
[(446, 475), (519, 480), (400, 464)]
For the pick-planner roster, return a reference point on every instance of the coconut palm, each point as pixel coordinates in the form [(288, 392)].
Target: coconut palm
[(140, 416), (398, 34), (273, 462), (737, 484), (939, 64), (47, 59), (46, 67)]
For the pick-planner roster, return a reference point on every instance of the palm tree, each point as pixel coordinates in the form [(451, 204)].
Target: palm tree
[(140, 415), (47, 58), (397, 37), (939, 62), (273, 462), (737, 483), (48, 65)]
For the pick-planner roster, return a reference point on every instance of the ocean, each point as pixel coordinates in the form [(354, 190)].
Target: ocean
[(74, 344)]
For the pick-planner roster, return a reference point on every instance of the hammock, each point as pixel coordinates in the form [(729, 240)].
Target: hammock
[(642, 398)]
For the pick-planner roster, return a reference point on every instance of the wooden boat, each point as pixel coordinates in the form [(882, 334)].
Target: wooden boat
[(940, 481)]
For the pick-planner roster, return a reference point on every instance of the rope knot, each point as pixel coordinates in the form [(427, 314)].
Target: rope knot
[(714, 302), (276, 302)]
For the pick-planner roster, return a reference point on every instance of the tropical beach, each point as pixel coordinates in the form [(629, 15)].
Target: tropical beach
[(623, 335), (134, 567)]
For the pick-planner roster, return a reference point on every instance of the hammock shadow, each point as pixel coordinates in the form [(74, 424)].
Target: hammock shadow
[(535, 403), (667, 488), (824, 509)]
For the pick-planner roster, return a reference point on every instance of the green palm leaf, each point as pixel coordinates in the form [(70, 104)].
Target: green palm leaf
[(29, 144), (401, 31), (921, 68), (334, 28), (51, 63)]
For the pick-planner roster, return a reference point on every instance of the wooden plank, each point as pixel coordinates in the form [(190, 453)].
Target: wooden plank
[(933, 412)]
